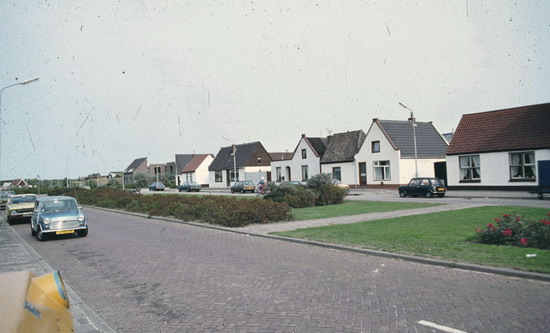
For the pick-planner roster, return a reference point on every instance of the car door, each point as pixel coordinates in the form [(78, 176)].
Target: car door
[(424, 187), (34, 216), (412, 189)]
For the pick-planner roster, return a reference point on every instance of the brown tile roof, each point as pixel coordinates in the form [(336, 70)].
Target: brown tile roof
[(520, 128)]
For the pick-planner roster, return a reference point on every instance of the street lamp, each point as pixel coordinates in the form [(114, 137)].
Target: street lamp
[(234, 147), (413, 123), (1, 91)]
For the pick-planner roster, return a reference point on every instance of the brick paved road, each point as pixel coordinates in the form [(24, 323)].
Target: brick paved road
[(144, 275)]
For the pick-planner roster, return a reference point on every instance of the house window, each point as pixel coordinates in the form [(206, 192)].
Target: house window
[(337, 173), (382, 170), (304, 173), (470, 169), (522, 166), (304, 154), (375, 145), (278, 173), (233, 176), (218, 176)]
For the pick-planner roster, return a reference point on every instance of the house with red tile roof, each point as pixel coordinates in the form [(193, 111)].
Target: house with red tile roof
[(505, 149), (195, 169)]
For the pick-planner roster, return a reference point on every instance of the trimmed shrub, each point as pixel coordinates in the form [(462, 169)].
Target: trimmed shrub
[(294, 196), (230, 212), (328, 193)]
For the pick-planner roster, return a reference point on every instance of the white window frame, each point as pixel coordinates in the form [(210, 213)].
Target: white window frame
[(519, 168), (382, 170), (468, 164)]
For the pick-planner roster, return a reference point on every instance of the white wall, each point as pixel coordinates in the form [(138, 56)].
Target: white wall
[(494, 169), (295, 164), (349, 171), (387, 153)]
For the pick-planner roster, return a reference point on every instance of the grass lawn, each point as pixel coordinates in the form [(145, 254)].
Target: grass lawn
[(439, 235), (353, 207)]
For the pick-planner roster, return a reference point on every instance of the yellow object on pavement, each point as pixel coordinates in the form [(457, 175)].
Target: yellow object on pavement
[(34, 304)]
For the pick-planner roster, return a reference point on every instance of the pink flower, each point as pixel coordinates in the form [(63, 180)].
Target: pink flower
[(506, 215), (507, 232), (545, 222), (479, 230), (548, 214), (490, 225), (523, 241), (497, 219), (494, 229), (518, 218)]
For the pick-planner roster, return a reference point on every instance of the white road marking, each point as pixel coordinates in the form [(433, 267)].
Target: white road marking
[(440, 327)]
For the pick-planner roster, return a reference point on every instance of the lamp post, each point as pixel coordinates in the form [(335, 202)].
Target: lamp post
[(413, 123), (234, 147), (1, 91)]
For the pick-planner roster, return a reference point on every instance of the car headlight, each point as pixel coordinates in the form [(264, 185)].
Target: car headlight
[(47, 220), (80, 218)]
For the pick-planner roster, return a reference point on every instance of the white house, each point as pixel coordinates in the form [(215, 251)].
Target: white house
[(195, 170), (388, 153), (250, 160), (505, 149), (304, 162)]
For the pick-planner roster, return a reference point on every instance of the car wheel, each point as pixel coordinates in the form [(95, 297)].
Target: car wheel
[(429, 194), (232, 191), (40, 235), (402, 194), (242, 191), (82, 233), (9, 220), (32, 231)]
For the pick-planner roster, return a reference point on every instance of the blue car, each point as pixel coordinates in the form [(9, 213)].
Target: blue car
[(57, 216), (157, 186)]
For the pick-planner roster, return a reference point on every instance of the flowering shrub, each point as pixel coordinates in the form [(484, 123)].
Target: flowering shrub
[(230, 212), (514, 230)]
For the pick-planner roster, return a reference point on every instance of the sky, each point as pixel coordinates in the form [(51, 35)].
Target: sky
[(120, 80)]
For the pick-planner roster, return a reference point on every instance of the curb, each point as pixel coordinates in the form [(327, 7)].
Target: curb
[(421, 260)]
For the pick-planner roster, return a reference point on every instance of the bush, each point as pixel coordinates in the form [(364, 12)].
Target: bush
[(294, 196), (328, 193), (516, 231), (230, 212)]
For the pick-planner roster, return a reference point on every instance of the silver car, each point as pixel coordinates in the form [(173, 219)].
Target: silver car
[(57, 216)]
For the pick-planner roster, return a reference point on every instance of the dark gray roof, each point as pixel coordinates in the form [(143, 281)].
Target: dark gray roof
[(429, 143), (181, 161), (342, 147), (246, 155), (135, 164), (319, 145)]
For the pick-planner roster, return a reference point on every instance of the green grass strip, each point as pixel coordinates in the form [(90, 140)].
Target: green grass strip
[(444, 235)]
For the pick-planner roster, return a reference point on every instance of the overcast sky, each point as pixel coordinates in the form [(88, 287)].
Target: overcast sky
[(126, 79)]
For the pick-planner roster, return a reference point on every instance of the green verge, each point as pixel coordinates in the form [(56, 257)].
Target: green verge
[(445, 235), (353, 207)]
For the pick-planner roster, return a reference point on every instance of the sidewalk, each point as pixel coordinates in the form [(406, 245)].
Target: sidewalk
[(17, 255)]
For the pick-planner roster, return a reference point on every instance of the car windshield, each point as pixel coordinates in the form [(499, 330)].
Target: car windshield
[(27, 198), (59, 206), (247, 183)]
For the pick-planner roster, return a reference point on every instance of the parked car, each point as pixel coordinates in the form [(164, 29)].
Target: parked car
[(57, 216), (341, 185), (189, 186), (157, 186), (4, 196), (244, 186), (424, 186), (20, 206), (291, 183)]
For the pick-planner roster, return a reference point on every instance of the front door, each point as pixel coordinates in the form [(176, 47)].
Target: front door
[(544, 173), (228, 177), (362, 174)]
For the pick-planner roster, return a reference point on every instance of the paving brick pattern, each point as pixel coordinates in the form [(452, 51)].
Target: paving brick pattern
[(145, 275)]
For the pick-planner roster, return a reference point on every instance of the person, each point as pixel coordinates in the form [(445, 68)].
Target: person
[(261, 185)]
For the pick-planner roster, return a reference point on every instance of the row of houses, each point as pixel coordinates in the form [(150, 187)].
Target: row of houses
[(502, 149)]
